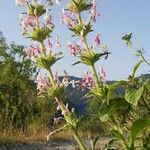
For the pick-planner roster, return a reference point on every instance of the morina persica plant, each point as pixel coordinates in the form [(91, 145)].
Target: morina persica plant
[(122, 112)]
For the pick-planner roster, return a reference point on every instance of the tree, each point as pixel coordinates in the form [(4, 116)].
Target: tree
[(17, 89)]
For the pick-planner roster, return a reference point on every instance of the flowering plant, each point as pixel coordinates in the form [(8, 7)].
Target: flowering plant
[(37, 24)]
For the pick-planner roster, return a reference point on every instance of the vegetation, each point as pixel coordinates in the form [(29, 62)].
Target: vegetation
[(20, 107), (124, 116)]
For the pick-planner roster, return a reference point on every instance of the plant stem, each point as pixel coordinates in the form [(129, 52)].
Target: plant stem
[(140, 54), (88, 49), (95, 76), (145, 60), (79, 141), (43, 48), (49, 69), (92, 66), (51, 76)]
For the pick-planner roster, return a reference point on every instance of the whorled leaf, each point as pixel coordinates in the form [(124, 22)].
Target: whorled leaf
[(81, 29), (47, 61), (89, 57), (57, 91), (39, 9), (40, 34), (78, 5)]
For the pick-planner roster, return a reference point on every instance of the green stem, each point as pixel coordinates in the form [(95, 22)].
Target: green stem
[(145, 60), (79, 18), (95, 76), (51, 76), (43, 49), (86, 45), (92, 66), (88, 49), (140, 54), (49, 70), (79, 141)]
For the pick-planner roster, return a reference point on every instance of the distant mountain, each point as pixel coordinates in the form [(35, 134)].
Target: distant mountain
[(75, 95)]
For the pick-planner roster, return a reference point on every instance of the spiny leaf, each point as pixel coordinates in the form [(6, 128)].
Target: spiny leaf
[(78, 62), (77, 29), (39, 10), (40, 34)]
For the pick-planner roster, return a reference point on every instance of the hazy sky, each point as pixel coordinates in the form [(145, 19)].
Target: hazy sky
[(118, 17)]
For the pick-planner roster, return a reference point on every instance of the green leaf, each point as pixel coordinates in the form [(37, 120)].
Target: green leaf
[(118, 84), (118, 135), (136, 67), (137, 127), (40, 34), (78, 62), (78, 5), (147, 85), (114, 105), (133, 95), (113, 87), (127, 39), (89, 58), (85, 28), (47, 61), (57, 91), (39, 9)]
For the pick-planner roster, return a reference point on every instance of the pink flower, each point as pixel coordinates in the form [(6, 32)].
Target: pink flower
[(68, 18), (102, 75), (88, 80), (43, 83), (97, 40), (56, 76), (49, 43), (29, 53), (58, 44), (64, 109), (93, 11), (74, 49), (33, 51), (21, 2), (28, 21), (48, 21)]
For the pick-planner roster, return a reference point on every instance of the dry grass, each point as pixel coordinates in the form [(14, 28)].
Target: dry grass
[(33, 134)]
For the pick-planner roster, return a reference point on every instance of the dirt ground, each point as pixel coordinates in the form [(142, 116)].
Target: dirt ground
[(41, 146), (51, 145)]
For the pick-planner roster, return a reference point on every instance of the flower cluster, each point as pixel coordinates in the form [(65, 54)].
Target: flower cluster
[(102, 75), (93, 11), (74, 49), (43, 83), (37, 24)]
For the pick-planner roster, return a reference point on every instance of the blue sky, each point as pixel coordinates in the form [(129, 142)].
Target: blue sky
[(117, 18)]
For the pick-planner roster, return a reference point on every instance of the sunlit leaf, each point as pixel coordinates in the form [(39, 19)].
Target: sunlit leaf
[(133, 95)]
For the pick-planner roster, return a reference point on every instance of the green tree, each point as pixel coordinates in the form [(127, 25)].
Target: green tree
[(17, 89)]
